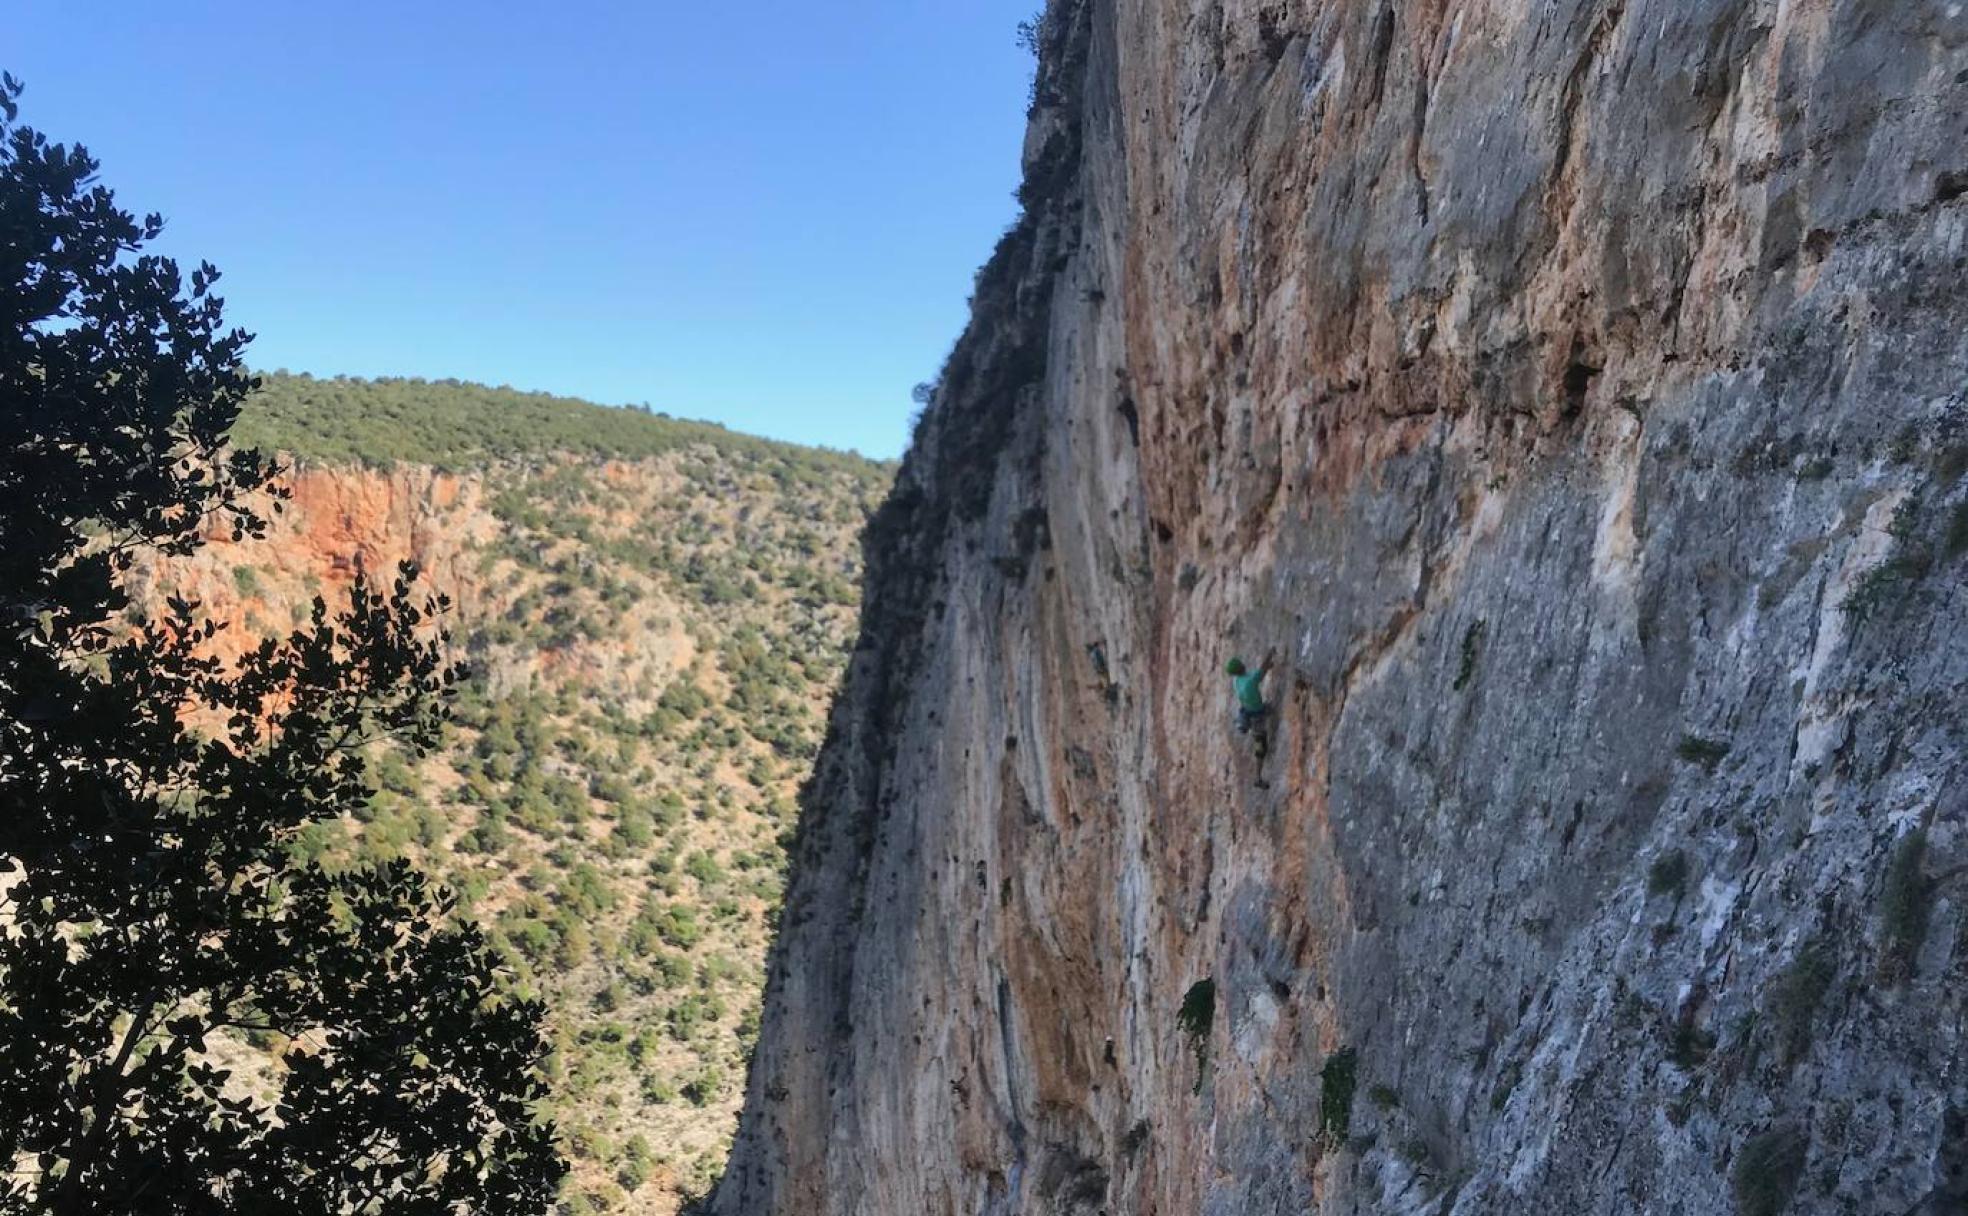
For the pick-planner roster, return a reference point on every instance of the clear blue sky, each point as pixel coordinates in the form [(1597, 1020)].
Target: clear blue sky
[(767, 214)]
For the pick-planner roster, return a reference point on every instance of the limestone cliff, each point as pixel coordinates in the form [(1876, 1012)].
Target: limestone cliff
[(1572, 395)]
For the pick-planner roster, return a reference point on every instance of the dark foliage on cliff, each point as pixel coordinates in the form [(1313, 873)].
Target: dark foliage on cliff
[(149, 795)]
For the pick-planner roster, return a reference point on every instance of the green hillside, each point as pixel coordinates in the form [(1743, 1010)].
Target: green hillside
[(655, 614), (453, 424)]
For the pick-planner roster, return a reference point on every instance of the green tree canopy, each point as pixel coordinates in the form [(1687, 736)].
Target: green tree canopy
[(150, 796)]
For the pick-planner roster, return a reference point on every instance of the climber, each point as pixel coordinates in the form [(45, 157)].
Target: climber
[(1251, 709)]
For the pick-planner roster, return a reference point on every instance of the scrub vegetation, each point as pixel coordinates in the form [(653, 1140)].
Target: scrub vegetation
[(652, 617)]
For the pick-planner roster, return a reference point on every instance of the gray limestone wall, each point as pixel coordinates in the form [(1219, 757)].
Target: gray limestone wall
[(1574, 399)]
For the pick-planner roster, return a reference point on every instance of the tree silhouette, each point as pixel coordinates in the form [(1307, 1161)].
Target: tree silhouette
[(150, 914)]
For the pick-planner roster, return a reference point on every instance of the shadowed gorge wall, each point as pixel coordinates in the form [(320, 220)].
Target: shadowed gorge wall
[(1572, 396)]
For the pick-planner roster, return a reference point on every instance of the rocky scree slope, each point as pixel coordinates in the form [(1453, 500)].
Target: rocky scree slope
[(1573, 396), (654, 615)]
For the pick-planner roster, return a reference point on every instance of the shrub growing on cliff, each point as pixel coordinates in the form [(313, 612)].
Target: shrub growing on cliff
[(1196, 1018), (1795, 998), (1905, 564), (1028, 41), (1954, 539), (1904, 907), (1338, 1080), (1767, 1170), (156, 906), (1707, 753), (1668, 874), (1689, 1044), (1472, 649)]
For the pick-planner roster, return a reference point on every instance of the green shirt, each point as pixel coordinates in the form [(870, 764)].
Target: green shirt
[(1250, 690)]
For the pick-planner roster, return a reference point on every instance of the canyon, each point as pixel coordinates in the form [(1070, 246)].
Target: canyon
[(652, 617)]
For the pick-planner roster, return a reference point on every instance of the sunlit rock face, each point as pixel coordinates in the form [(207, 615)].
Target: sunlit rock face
[(1571, 395)]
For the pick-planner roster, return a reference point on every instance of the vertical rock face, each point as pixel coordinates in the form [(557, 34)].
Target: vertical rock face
[(338, 521), (1571, 395)]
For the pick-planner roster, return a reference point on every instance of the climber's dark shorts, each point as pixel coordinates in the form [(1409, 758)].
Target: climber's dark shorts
[(1250, 719)]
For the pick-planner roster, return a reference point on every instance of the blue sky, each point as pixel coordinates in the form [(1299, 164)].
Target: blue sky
[(765, 214)]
